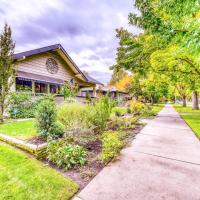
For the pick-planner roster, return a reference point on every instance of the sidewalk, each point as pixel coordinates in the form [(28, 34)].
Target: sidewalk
[(163, 162)]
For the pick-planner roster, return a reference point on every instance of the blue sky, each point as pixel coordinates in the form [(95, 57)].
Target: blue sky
[(85, 28)]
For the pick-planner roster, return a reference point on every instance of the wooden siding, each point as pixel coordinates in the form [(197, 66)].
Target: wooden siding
[(37, 65)]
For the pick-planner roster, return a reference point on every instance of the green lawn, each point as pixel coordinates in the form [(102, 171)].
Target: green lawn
[(192, 117), (22, 177), (157, 108), (19, 129), (120, 110)]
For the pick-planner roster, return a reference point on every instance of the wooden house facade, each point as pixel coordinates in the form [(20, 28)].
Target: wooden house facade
[(46, 69)]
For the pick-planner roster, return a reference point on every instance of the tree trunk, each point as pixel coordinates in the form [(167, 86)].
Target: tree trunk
[(152, 101), (1, 114), (174, 99), (195, 101), (184, 102)]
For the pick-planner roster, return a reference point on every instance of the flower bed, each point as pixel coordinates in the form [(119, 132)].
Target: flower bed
[(76, 139)]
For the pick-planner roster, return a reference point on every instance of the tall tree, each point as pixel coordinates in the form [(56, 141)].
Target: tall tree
[(7, 70), (168, 46)]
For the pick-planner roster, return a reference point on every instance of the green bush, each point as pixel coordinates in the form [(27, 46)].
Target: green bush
[(128, 123), (21, 105), (66, 155), (122, 123), (103, 109), (119, 111), (74, 115), (147, 112), (46, 118), (136, 107), (111, 146)]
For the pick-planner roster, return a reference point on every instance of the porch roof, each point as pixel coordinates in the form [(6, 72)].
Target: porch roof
[(40, 78)]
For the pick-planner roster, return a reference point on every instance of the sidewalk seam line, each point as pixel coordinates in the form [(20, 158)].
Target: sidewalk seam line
[(168, 158)]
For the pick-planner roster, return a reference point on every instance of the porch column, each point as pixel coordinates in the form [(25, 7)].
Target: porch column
[(33, 87), (48, 88), (56, 89), (94, 92)]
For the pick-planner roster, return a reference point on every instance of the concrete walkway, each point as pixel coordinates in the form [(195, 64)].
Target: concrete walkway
[(163, 162)]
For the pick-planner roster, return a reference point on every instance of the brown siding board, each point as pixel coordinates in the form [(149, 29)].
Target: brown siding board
[(37, 65)]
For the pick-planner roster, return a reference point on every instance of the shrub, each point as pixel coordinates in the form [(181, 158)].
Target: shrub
[(66, 155), (103, 109), (111, 146), (121, 123), (21, 105), (119, 111), (46, 118), (147, 112), (128, 123), (78, 121), (68, 90), (128, 110), (136, 107), (74, 115)]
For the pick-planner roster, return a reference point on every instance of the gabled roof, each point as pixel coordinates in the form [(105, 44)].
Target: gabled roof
[(92, 80), (47, 49), (111, 89)]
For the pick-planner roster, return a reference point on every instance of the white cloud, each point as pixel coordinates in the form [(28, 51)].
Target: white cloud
[(86, 29)]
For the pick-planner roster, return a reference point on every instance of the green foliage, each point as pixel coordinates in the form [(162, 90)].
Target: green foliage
[(46, 118), (135, 107), (81, 119), (78, 121), (169, 49), (122, 123), (69, 90), (103, 108), (119, 111), (128, 123), (88, 98), (7, 71), (111, 146), (66, 155), (21, 105), (148, 112), (75, 115)]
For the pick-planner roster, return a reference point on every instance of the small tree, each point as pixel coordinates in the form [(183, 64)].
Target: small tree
[(69, 90), (7, 71), (46, 118)]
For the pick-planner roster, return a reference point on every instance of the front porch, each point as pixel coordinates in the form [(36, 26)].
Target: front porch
[(41, 85)]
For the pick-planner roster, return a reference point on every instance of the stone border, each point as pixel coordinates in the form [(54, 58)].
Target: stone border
[(39, 151)]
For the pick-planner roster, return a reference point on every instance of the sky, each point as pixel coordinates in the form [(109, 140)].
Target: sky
[(85, 28)]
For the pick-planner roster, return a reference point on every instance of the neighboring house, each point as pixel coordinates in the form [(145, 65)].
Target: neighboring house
[(100, 90), (91, 91), (113, 92), (45, 70)]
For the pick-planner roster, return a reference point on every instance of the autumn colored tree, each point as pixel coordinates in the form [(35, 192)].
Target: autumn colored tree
[(124, 83)]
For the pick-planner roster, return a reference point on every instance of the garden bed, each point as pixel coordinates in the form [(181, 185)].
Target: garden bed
[(83, 175)]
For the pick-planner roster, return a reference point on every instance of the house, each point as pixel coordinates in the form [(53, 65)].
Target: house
[(45, 70), (100, 90), (92, 92)]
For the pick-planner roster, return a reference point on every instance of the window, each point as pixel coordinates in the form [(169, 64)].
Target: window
[(23, 85), (40, 87)]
